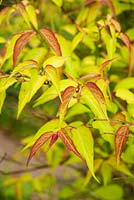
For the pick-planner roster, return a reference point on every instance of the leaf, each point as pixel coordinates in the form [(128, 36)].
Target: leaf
[(2, 98), (124, 37), (51, 93), (23, 66), (9, 48), (121, 167), (55, 61), (77, 39), (51, 39), (50, 126), (24, 13), (120, 140), (20, 44), (58, 2), (127, 83), (77, 109), (116, 24), (91, 102), (6, 83), (52, 74), (28, 89), (66, 98), (39, 142), (106, 172), (84, 143), (97, 94), (126, 95), (109, 192), (32, 15), (105, 64), (131, 60), (68, 142)]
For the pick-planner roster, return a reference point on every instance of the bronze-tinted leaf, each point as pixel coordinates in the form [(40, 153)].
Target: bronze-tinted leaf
[(97, 93), (68, 142), (53, 140), (120, 140), (66, 98), (51, 39), (124, 37), (39, 142), (20, 44), (105, 64), (117, 118)]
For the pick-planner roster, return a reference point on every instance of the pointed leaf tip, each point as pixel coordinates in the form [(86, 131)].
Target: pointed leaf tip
[(20, 44), (120, 140), (66, 98), (39, 142), (51, 39), (68, 142), (96, 91)]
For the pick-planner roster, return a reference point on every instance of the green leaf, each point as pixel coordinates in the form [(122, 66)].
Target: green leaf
[(32, 15), (58, 2), (109, 192), (97, 93), (23, 66), (106, 172), (127, 83), (24, 13), (28, 89), (51, 93), (55, 61), (77, 109), (83, 140), (10, 47), (53, 76), (121, 167), (103, 125), (125, 94), (77, 39), (51, 126), (38, 54), (6, 83), (128, 155), (2, 98)]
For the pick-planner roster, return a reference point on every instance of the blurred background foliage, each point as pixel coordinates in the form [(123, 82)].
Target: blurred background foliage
[(80, 26)]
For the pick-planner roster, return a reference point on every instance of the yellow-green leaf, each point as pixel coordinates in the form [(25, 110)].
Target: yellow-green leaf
[(2, 98), (32, 15), (125, 94), (50, 126), (58, 2), (83, 140), (55, 61), (28, 89), (51, 93), (23, 66), (76, 40), (52, 74)]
